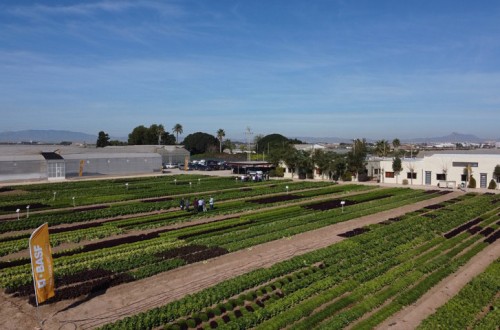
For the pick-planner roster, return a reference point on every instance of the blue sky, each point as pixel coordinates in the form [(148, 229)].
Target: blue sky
[(374, 69)]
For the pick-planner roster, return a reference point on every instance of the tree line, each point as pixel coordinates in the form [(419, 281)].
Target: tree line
[(156, 134), (276, 147)]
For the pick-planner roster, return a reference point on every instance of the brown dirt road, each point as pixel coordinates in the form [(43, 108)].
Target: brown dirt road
[(132, 298)]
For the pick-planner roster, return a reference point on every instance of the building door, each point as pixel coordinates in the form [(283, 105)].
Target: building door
[(428, 177), (483, 180), (56, 170)]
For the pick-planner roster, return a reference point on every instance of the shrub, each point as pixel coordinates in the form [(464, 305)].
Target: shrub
[(346, 177), (405, 182), (277, 172), (492, 185), (363, 177), (472, 182)]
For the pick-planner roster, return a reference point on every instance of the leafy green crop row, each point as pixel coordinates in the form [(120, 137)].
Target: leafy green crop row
[(465, 310), (396, 262), (135, 207), (236, 233)]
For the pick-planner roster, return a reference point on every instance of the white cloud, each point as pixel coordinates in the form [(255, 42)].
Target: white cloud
[(38, 11)]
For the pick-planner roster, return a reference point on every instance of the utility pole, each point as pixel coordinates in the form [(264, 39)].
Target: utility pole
[(248, 134)]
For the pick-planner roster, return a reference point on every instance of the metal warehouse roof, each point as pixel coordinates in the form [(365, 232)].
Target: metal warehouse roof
[(19, 158), (6, 150), (111, 156)]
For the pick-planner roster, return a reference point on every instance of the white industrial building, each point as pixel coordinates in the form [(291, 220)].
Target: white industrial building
[(56, 162), (450, 168)]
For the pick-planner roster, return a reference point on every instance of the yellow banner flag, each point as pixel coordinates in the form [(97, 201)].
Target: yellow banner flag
[(42, 265), (82, 162)]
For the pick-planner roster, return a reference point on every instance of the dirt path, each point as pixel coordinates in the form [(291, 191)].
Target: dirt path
[(411, 316), (132, 298)]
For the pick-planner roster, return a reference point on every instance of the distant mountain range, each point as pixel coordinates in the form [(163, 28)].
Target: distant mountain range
[(51, 136), (46, 136), (450, 138), (58, 136)]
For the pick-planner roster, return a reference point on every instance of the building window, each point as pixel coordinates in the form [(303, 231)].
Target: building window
[(376, 171), (411, 175), (441, 177), (389, 174)]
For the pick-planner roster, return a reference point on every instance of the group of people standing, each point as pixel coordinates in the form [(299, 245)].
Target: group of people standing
[(199, 205)]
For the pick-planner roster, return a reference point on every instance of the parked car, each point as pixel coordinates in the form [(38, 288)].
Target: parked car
[(169, 166), (202, 167), (223, 166), (182, 167)]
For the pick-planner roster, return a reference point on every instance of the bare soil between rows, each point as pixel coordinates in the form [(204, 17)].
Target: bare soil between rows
[(131, 298)]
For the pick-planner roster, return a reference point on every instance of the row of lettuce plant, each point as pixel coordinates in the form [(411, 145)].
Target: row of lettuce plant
[(227, 227), (228, 207), (373, 293), (433, 270), (437, 264), (19, 242), (64, 237), (365, 304), (476, 306), (91, 192), (371, 253), (89, 234), (58, 195), (280, 224), (118, 192), (73, 215)]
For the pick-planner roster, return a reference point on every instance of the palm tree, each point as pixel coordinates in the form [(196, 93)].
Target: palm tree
[(220, 135), (382, 148), (177, 130), (161, 131)]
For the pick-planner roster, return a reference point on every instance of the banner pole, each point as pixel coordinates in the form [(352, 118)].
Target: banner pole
[(37, 312), (41, 267)]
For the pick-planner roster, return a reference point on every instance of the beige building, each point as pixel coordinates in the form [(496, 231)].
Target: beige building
[(451, 168)]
